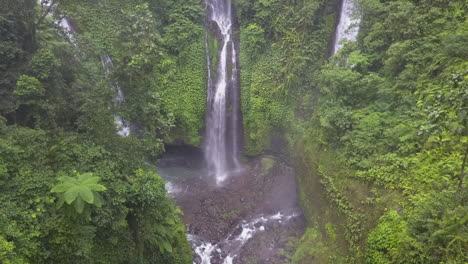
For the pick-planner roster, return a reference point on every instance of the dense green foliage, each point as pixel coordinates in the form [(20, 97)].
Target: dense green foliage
[(283, 43), (158, 51), (389, 137), (71, 190), (379, 131), (134, 220)]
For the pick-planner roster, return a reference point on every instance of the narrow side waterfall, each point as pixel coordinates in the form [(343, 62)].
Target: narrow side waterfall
[(223, 118), (123, 126), (68, 30), (348, 27)]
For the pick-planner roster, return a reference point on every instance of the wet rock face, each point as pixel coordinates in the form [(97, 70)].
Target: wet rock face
[(240, 219), (271, 246)]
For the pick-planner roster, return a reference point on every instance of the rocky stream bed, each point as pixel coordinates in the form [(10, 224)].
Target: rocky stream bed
[(252, 218)]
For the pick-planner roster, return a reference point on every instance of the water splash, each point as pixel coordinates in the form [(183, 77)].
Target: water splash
[(228, 249), (205, 252), (172, 189), (123, 128)]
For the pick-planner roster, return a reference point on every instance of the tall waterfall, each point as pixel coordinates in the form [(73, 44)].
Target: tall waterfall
[(223, 119), (348, 27)]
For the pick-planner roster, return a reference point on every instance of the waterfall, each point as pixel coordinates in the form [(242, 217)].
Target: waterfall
[(122, 125), (348, 27), (223, 119), (68, 30)]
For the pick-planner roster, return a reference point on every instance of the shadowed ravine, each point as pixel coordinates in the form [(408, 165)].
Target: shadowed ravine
[(234, 213), (247, 215)]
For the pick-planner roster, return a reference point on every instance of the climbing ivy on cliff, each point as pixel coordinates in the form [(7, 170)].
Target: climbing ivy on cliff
[(282, 45)]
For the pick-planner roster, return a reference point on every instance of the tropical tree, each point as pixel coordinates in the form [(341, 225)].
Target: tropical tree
[(78, 191)]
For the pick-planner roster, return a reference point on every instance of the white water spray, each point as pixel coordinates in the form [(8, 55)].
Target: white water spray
[(223, 110), (348, 27), (68, 30), (228, 249), (123, 126)]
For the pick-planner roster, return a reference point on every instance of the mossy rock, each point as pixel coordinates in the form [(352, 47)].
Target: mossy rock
[(267, 164)]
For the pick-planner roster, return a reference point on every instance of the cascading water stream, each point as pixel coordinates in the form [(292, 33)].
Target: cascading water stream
[(68, 30), (228, 249), (123, 128), (348, 26), (223, 106)]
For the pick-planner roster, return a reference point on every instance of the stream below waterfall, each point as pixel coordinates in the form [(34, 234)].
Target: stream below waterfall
[(253, 218), (234, 213)]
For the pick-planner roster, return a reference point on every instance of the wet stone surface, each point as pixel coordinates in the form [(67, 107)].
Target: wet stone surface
[(253, 217)]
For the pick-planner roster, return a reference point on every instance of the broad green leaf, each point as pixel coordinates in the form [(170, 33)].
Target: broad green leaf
[(90, 181), (85, 176), (63, 187), (167, 246), (83, 188), (161, 248), (170, 221), (60, 202), (86, 194), (79, 205), (67, 179), (71, 194), (97, 200), (98, 187)]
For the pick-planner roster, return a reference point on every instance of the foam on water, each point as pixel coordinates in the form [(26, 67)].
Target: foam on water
[(229, 248)]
